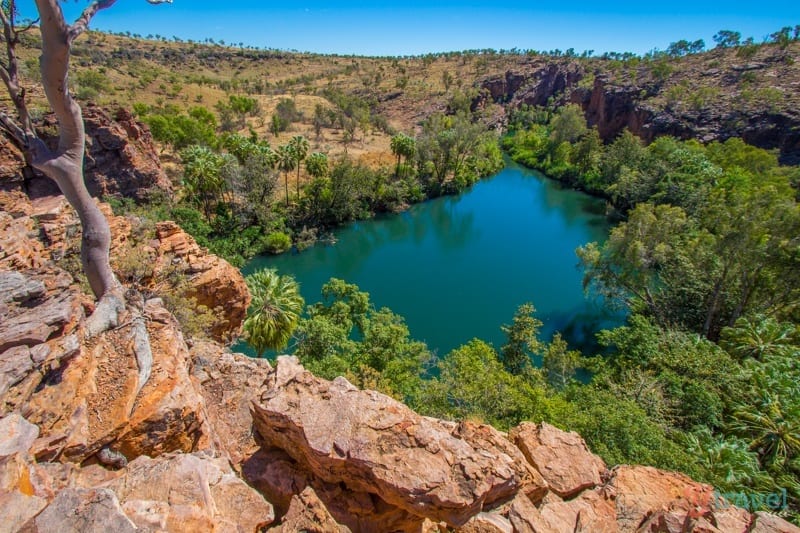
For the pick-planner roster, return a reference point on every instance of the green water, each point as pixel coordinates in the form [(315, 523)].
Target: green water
[(457, 267)]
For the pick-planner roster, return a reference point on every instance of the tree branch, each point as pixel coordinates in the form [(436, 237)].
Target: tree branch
[(82, 23)]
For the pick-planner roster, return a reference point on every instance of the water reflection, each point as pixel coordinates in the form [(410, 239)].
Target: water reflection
[(458, 267)]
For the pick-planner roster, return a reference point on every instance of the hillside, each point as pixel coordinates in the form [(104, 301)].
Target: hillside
[(749, 91)]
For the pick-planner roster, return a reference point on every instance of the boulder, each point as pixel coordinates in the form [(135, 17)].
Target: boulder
[(228, 384), (213, 282), (188, 493), (561, 457), (307, 513), (769, 523), (374, 444), (84, 510), (641, 491), (93, 400)]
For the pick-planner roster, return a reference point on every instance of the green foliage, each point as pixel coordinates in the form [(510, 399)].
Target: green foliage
[(449, 147), (560, 363), (317, 165), (727, 38), (522, 340), (278, 242), (172, 127), (274, 310), (345, 335)]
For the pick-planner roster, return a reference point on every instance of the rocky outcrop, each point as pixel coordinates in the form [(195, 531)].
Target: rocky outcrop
[(213, 282), (374, 444), (562, 458), (121, 157), (613, 102)]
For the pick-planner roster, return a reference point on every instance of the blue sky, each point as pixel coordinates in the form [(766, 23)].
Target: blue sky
[(415, 27)]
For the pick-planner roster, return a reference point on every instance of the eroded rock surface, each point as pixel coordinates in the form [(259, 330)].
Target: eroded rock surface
[(374, 444), (561, 457)]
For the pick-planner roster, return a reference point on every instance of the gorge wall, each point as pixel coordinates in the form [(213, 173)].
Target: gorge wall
[(644, 106)]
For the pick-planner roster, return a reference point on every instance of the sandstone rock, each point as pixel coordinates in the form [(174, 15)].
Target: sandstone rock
[(280, 478), (590, 512), (277, 476), (229, 383), (768, 523), (525, 517), (91, 400), (189, 492), (374, 444), (307, 513), (84, 510), (15, 364), (487, 523), (19, 248), (16, 435), (562, 458), (732, 519), (214, 282), (18, 499), (643, 490), (121, 158)]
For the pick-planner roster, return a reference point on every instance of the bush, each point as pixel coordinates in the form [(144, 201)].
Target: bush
[(278, 242)]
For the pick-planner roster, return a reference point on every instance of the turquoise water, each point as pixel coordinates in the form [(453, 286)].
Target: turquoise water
[(457, 267)]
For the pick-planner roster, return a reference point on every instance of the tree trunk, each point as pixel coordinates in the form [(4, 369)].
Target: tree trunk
[(65, 165)]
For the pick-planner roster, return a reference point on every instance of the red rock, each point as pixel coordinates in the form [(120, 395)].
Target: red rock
[(562, 458), (642, 491), (84, 510), (307, 513), (188, 493), (372, 443), (214, 283), (228, 384), (769, 523)]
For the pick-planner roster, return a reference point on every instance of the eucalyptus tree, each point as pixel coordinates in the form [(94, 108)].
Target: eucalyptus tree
[(64, 163)]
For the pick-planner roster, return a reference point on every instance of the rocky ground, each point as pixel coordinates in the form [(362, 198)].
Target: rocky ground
[(216, 441)]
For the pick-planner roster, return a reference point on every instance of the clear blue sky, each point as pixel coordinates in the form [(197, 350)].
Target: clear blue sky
[(415, 27)]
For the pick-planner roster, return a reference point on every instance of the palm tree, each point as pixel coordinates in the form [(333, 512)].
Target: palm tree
[(202, 176), (773, 430), (299, 146), (759, 337), (286, 163), (274, 311), (403, 146)]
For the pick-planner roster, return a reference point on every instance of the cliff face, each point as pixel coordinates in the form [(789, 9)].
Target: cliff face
[(215, 441), (121, 159), (650, 107)]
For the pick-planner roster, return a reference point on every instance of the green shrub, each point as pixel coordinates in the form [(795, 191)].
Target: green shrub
[(278, 242)]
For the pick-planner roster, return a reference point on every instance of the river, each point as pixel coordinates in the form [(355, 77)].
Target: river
[(458, 267)]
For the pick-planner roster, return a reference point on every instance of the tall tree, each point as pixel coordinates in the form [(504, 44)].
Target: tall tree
[(286, 163), (64, 163), (403, 146), (522, 339), (299, 147)]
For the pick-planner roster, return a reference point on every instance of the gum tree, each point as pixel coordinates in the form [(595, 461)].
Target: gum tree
[(64, 163)]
